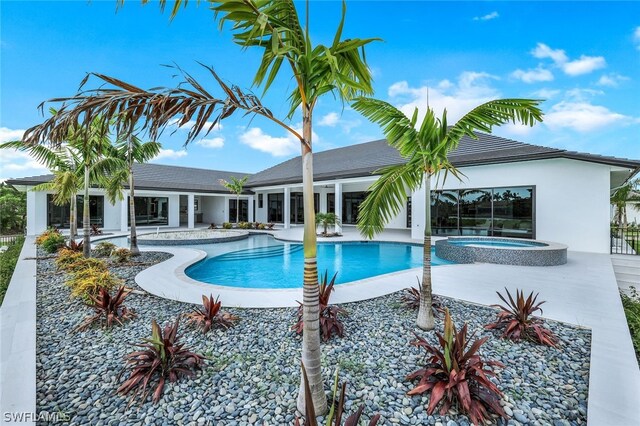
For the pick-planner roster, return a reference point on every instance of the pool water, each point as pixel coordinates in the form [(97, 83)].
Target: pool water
[(265, 262)]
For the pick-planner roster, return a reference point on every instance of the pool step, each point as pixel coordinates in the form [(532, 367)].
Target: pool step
[(259, 253), (627, 271)]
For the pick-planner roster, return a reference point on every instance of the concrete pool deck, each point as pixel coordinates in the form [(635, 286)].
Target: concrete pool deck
[(582, 292)]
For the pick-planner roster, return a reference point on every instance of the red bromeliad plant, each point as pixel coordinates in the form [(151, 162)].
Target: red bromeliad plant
[(330, 321), (161, 358), (108, 309), (74, 246), (209, 315), (517, 321), (334, 417), (456, 375), (411, 299)]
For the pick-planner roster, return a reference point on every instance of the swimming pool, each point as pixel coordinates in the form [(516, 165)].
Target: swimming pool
[(265, 262)]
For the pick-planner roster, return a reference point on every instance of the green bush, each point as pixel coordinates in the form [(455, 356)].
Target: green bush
[(244, 225), (104, 249), (121, 255), (8, 261), (227, 225), (632, 311), (53, 242)]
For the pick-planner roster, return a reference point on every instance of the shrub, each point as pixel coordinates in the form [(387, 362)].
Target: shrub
[(455, 374), (108, 309), (104, 249), (46, 234), (8, 261), (517, 321), (337, 407), (121, 255), (261, 226), (244, 225), (159, 359), (86, 283), (74, 246), (227, 225), (209, 315), (53, 242), (83, 263), (330, 321), (631, 307), (411, 299), (67, 257)]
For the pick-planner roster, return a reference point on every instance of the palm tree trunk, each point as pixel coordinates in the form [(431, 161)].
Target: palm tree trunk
[(425, 318), (133, 238), (73, 217), (86, 238), (310, 291)]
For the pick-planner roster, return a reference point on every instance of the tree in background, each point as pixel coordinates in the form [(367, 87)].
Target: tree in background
[(235, 186), (13, 205), (627, 193), (425, 146)]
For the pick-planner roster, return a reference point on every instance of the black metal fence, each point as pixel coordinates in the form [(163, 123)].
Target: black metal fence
[(625, 240)]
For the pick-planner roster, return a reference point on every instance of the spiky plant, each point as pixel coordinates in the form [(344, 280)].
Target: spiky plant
[(108, 310), (455, 375), (411, 299), (159, 359), (517, 321), (209, 315)]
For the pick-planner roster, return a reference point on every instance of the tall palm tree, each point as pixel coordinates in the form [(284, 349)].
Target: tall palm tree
[(274, 27), (67, 175), (425, 147), (130, 149), (236, 186), (627, 193)]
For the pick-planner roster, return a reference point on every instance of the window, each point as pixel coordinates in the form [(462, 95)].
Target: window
[(408, 212), (331, 203), (500, 212), (259, 201), (275, 207), (350, 205), (296, 206), (59, 216), (151, 211), (244, 210)]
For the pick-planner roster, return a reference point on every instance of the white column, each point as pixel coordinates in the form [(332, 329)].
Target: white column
[(338, 204), (32, 213), (418, 213), (251, 213), (226, 209), (287, 208), (323, 199), (124, 214), (191, 211)]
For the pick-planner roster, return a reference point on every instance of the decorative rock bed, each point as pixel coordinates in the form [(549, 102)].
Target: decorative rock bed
[(479, 249), (252, 373), (203, 236)]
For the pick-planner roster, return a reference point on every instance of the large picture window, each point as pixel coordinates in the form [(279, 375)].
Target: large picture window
[(59, 216), (275, 207), (499, 212), (296, 206), (151, 211), (350, 205), (244, 210)]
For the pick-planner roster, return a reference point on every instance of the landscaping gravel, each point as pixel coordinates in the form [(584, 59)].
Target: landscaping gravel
[(252, 375)]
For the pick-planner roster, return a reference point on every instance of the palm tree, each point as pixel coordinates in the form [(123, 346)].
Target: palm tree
[(274, 27), (130, 149), (629, 192), (425, 147), (236, 186), (326, 219), (67, 175)]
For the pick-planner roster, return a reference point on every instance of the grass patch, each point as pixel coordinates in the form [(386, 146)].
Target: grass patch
[(632, 311), (8, 261)]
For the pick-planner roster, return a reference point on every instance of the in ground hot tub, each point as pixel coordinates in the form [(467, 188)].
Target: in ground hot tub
[(201, 236), (505, 251)]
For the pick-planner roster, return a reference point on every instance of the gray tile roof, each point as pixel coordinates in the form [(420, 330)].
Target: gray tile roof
[(163, 177), (365, 158)]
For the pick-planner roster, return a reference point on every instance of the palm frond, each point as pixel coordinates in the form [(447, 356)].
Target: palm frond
[(386, 196)]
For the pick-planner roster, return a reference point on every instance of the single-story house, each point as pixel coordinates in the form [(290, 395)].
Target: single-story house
[(509, 189)]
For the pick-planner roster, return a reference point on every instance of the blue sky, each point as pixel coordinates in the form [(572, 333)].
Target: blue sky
[(582, 57)]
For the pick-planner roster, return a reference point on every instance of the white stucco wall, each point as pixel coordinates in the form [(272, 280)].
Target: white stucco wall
[(213, 209), (571, 197)]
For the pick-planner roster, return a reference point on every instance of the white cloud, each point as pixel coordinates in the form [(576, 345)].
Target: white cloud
[(471, 89), (329, 120), (546, 93), (170, 154), (276, 146), (636, 37), (582, 95), (217, 142), (584, 65), (533, 75), (582, 116), (7, 135), (487, 17), (15, 164), (611, 80)]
